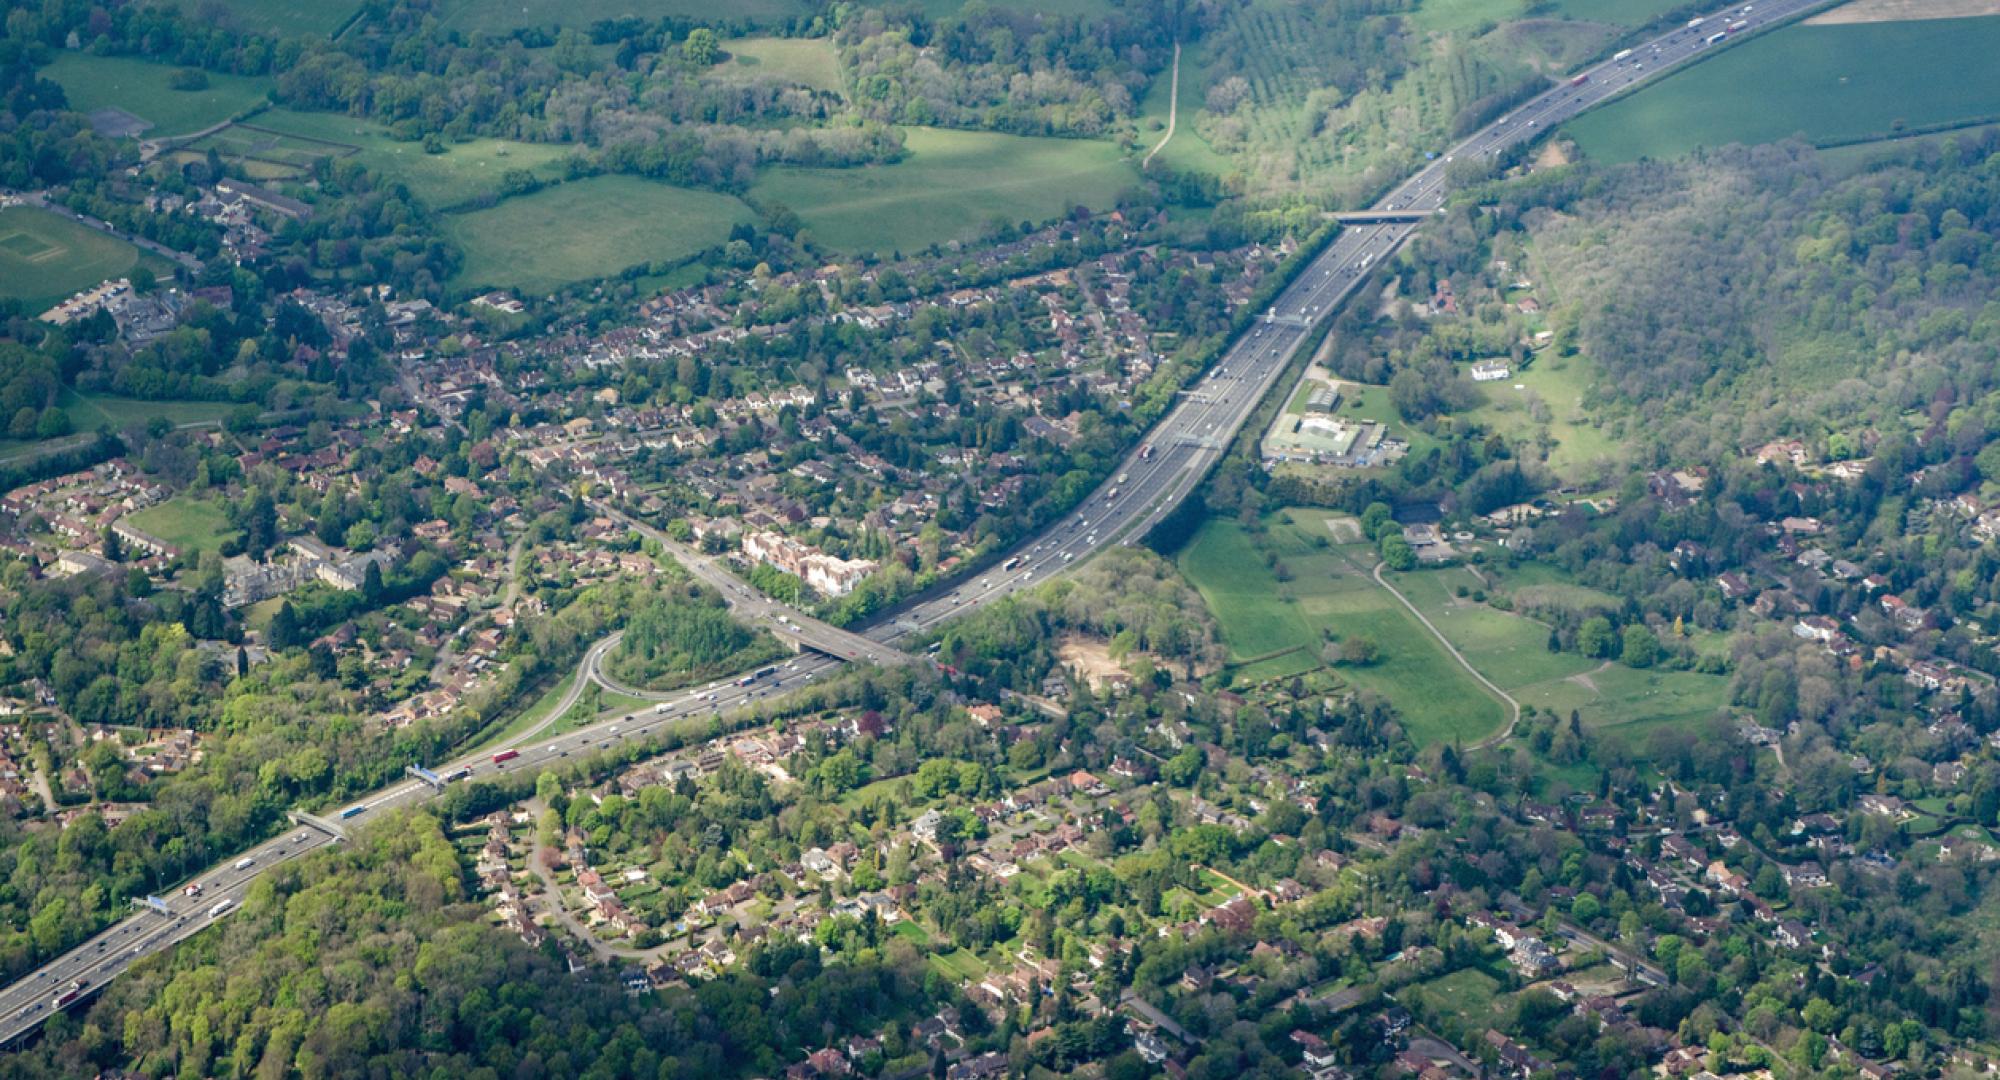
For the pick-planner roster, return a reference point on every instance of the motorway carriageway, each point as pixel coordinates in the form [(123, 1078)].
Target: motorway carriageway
[(1183, 446)]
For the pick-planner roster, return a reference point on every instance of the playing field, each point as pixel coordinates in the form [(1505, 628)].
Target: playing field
[(187, 523), (1330, 589), (45, 257), (588, 229), (501, 16), (805, 61), (141, 88), (952, 185), (464, 171), (1826, 83)]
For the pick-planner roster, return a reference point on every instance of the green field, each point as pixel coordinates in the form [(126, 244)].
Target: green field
[(1512, 650), (1186, 151), (1619, 12), (45, 257), (282, 18), (952, 185), (1826, 83), (805, 61), (464, 171), (140, 88), (1079, 8), (187, 523), (1331, 589), (588, 229), (1560, 383), (87, 414), (1448, 15), (501, 16)]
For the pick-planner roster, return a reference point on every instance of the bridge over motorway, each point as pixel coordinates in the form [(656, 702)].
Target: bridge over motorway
[(1152, 481)]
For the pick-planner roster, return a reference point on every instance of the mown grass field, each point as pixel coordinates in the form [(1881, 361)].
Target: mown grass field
[(1560, 383), (141, 88), (1826, 83), (501, 16), (952, 185), (464, 171), (1512, 650), (587, 229), (188, 523), (45, 257), (1331, 589), (805, 61)]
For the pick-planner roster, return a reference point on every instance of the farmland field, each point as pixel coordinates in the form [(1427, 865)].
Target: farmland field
[(45, 257), (464, 171), (187, 523), (501, 16), (283, 18), (1632, 13), (951, 186), (805, 61), (1827, 83), (588, 229), (1330, 589), (140, 88)]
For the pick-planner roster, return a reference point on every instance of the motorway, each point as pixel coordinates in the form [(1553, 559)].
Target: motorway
[(1152, 481)]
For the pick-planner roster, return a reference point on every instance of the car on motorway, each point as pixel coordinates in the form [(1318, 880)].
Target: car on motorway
[(299, 837)]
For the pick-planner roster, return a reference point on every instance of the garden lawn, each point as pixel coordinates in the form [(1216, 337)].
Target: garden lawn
[(186, 522)]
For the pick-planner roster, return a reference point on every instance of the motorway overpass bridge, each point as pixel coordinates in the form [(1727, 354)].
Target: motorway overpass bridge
[(1383, 217)]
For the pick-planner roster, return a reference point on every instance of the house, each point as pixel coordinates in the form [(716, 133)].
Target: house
[(1805, 876), (1816, 628), (1491, 370), (1733, 586), (1792, 934), (1318, 1054)]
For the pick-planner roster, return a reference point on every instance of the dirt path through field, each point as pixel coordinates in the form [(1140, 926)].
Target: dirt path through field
[(1874, 11)]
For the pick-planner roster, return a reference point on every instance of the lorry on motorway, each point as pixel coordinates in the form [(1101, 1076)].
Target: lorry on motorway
[(1715, 37), (1146, 452), (660, 708), (1010, 563), (1740, 24), (245, 863), (747, 679), (68, 994), (763, 671), (1580, 79), (459, 773), (353, 811), (193, 889), (1697, 21), (1620, 55), (220, 906), (503, 756), (1123, 477)]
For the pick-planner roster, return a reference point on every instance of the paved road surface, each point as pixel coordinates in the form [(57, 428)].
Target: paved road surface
[(1151, 482)]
